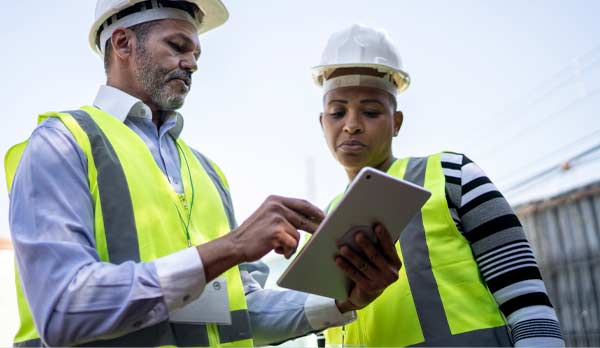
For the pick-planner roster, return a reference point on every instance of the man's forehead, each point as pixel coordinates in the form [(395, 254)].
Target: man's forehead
[(172, 26)]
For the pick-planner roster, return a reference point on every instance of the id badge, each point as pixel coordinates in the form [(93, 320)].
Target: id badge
[(212, 307)]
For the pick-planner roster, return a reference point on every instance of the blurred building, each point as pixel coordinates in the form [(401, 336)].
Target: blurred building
[(565, 234), (560, 211)]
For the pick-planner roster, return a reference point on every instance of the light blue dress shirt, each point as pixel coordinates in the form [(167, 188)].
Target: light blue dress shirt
[(76, 298)]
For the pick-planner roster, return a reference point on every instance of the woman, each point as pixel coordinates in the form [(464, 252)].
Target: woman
[(469, 277)]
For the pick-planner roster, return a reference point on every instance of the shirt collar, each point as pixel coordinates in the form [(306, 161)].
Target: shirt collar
[(121, 105)]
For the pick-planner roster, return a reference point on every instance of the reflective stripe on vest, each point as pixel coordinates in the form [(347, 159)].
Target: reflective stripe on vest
[(420, 275), (119, 224), (122, 241), (223, 192), (165, 333), (423, 308), (36, 342), (182, 335)]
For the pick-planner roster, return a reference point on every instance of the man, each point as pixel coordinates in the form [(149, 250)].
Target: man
[(469, 276), (122, 232)]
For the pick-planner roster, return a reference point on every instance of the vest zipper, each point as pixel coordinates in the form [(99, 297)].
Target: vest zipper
[(343, 335)]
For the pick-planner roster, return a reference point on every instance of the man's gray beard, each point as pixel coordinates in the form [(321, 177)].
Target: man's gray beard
[(154, 82)]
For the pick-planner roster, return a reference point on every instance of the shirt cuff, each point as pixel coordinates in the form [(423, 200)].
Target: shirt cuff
[(181, 277), (321, 313)]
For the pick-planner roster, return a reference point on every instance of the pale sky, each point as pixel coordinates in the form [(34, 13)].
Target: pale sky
[(485, 76)]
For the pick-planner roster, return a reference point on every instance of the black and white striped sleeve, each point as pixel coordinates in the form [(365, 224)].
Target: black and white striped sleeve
[(502, 252)]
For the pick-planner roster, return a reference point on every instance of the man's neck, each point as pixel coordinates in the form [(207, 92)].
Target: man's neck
[(158, 118), (157, 115)]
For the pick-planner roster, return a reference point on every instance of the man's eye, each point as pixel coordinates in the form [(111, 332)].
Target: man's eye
[(175, 46)]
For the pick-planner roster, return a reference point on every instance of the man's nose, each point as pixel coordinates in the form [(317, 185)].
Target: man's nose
[(189, 64)]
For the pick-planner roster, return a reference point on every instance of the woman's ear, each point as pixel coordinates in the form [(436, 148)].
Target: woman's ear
[(398, 119)]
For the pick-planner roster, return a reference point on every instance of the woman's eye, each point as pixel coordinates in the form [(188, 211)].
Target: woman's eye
[(336, 114), (372, 113)]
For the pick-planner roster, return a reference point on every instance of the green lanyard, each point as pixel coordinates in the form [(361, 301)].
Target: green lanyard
[(183, 200)]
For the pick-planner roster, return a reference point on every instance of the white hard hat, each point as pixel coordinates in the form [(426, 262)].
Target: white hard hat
[(111, 14), (360, 46)]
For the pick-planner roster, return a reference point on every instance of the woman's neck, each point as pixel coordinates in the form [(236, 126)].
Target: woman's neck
[(383, 166)]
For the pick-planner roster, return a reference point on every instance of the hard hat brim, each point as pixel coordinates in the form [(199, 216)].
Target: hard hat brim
[(401, 78), (215, 14)]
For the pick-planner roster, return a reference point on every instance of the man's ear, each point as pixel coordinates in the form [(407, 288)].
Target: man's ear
[(398, 119), (321, 120), (123, 41)]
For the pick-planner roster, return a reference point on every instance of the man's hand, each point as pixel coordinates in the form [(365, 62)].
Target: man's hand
[(372, 272), (273, 226)]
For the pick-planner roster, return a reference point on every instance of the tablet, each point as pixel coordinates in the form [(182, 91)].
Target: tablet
[(372, 197)]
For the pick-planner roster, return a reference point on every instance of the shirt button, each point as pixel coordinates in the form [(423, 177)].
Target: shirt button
[(186, 298)]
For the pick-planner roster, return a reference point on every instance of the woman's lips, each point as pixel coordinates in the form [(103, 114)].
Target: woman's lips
[(352, 146)]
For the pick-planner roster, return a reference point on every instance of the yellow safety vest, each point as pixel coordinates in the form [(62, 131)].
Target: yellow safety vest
[(440, 298), (135, 223)]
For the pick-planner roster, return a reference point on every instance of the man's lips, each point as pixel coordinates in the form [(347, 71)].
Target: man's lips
[(185, 81)]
